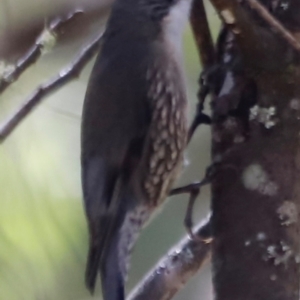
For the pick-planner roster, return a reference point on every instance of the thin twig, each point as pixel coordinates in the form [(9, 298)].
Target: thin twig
[(272, 21), (64, 76), (202, 34), (174, 270), (206, 51), (35, 52)]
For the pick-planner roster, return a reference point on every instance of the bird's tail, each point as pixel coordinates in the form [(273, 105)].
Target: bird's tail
[(112, 255), (105, 262), (103, 254), (113, 232)]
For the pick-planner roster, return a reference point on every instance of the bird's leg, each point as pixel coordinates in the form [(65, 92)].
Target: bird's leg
[(200, 117), (194, 189)]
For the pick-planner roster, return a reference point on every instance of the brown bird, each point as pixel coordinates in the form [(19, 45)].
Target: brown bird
[(134, 131)]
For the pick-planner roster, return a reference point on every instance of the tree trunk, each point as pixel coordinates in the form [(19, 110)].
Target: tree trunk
[(256, 190)]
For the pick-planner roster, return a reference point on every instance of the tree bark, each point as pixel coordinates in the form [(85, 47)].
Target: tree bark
[(256, 192)]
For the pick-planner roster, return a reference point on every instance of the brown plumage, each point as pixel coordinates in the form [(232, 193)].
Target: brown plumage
[(134, 132)]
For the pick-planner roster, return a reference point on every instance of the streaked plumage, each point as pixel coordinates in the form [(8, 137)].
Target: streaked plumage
[(134, 131)]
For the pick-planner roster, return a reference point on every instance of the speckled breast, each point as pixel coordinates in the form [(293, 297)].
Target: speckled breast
[(168, 132)]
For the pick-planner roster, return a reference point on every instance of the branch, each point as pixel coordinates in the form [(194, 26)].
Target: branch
[(64, 76), (174, 270), (252, 38), (272, 21), (202, 34), (35, 52), (206, 51), (256, 237)]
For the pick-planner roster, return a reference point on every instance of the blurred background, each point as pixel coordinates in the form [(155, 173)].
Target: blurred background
[(43, 233)]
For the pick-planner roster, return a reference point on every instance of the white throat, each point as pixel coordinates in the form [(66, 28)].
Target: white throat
[(175, 23)]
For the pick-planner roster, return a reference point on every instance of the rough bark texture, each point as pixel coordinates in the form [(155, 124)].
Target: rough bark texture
[(256, 192)]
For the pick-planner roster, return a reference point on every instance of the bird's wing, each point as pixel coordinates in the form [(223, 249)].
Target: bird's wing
[(116, 119)]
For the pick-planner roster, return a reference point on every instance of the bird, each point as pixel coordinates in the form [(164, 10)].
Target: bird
[(133, 132)]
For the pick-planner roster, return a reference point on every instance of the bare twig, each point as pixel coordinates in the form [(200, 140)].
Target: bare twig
[(202, 34), (252, 38), (272, 21), (35, 52), (66, 75), (173, 270), (206, 51)]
